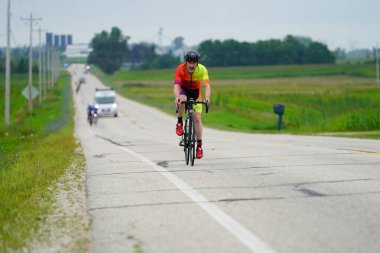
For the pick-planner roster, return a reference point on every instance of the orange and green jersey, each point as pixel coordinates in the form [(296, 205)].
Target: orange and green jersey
[(193, 81)]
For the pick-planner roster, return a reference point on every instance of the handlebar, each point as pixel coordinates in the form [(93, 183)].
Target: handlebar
[(194, 103)]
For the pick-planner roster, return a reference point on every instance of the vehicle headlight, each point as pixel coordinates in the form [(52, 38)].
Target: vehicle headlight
[(114, 105)]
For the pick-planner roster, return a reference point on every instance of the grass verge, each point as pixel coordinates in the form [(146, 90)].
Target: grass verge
[(36, 150)]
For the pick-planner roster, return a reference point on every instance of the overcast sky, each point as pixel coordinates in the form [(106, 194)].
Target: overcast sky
[(338, 23)]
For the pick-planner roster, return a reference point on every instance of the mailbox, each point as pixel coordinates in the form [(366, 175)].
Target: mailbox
[(279, 108)]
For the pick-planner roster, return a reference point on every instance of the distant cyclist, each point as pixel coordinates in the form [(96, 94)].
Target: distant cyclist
[(187, 84), (91, 110)]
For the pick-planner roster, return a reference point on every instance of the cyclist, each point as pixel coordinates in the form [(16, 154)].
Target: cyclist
[(91, 110), (187, 84)]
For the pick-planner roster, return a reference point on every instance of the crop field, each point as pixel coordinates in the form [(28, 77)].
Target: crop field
[(318, 99), (253, 72)]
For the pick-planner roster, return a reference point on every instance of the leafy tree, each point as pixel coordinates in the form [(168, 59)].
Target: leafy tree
[(2, 62), (290, 50), (167, 61), (109, 50), (318, 53), (22, 65), (144, 56), (211, 52), (340, 53), (139, 52), (305, 41), (150, 58)]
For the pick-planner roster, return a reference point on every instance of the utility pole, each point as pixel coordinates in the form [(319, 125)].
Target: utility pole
[(40, 72), (377, 64), (48, 66), (51, 67), (44, 67), (31, 19), (55, 66), (8, 67)]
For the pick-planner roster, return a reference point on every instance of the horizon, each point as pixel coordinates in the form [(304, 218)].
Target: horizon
[(335, 23)]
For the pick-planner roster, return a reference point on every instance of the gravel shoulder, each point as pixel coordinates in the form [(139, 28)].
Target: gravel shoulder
[(67, 228)]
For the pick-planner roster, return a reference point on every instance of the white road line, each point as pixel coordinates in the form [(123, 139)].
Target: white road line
[(249, 239)]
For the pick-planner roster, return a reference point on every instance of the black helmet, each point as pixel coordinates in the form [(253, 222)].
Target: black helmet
[(192, 55)]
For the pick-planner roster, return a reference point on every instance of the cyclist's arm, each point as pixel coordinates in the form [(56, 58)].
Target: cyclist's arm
[(177, 84), (176, 93), (206, 84), (207, 92)]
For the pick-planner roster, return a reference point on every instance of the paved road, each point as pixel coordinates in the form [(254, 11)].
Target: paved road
[(250, 193)]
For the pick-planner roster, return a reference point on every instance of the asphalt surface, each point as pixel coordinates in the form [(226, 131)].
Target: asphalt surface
[(250, 192)]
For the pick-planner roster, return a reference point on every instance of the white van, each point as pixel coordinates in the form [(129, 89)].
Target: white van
[(105, 102)]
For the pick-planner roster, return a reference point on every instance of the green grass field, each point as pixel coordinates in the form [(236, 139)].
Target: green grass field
[(233, 73), (35, 151), (318, 98)]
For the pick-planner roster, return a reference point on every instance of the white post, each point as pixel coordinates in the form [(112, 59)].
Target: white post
[(8, 67)]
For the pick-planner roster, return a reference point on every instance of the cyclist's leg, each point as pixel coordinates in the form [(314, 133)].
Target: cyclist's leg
[(196, 95), (181, 108), (198, 124), (183, 97), (199, 129), (199, 132)]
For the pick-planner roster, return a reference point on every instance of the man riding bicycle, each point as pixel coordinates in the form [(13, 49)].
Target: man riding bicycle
[(187, 84), (91, 110)]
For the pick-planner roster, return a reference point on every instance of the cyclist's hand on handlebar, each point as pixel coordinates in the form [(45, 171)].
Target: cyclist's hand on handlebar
[(207, 100)]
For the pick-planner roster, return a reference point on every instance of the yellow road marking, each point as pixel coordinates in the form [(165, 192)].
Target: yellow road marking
[(365, 152)]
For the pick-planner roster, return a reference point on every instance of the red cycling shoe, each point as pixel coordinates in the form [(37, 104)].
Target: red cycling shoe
[(179, 129), (199, 152)]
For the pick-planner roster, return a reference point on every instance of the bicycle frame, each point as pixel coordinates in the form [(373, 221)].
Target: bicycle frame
[(189, 136)]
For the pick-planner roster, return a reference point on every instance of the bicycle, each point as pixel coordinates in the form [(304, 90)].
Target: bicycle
[(188, 139), (93, 118)]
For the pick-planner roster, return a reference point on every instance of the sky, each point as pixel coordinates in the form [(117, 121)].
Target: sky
[(348, 24)]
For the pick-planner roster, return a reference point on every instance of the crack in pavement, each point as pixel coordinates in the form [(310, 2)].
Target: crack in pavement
[(229, 200)]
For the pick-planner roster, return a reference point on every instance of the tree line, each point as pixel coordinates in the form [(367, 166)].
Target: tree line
[(291, 50), (19, 61), (111, 50)]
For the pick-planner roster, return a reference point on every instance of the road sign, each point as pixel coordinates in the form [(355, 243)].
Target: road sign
[(25, 92)]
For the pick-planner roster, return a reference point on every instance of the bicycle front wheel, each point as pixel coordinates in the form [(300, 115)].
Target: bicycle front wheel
[(186, 141), (192, 141)]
